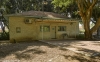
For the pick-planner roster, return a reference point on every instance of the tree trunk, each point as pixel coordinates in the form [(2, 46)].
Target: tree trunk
[(93, 29), (85, 11), (98, 32), (88, 34)]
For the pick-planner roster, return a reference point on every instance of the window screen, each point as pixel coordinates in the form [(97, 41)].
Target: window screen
[(61, 28), (45, 28)]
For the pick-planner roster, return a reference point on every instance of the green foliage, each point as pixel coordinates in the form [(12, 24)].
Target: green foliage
[(66, 6), (61, 3), (4, 36), (16, 6), (96, 11), (80, 37)]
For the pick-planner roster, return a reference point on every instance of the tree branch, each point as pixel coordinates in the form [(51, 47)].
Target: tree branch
[(93, 4), (90, 9), (80, 7), (89, 3), (96, 26), (85, 4)]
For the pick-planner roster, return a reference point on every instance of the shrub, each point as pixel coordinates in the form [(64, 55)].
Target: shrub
[(4, 36)]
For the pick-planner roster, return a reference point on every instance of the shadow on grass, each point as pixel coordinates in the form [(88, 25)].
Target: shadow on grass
[(20, 49)]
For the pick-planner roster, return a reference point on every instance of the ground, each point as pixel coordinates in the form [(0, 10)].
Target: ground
[(50, 51)]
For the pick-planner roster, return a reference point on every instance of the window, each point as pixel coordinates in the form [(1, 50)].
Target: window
[(18, 30), (45, 28), (61, 28)]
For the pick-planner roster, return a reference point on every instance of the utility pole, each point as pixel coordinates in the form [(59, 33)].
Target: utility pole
[(42, 19)]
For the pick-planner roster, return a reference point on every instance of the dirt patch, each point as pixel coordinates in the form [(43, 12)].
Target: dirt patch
[(38, 51)]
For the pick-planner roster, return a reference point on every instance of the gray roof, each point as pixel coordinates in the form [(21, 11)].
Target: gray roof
[(38, 14)]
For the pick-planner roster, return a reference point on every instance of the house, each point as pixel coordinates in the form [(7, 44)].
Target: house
[(38, 25)]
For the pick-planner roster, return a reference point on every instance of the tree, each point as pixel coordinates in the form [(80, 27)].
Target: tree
[(60, 5), (48, 6), (66, 7), (96, 13), (85, 8)]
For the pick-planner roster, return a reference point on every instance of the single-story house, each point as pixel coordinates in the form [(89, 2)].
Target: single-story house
[(38, 25)]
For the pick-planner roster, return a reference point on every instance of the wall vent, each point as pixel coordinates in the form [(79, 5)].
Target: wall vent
[(28, 21)]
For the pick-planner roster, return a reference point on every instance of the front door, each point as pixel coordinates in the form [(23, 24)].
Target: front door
[(53, 32)]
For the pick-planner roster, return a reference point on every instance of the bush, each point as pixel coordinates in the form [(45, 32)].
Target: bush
[(80, 36), (4, 36)]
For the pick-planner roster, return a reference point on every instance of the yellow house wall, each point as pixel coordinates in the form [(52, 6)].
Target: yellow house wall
[(27, 30), (31, 32), (72, 30), (45, 35)]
